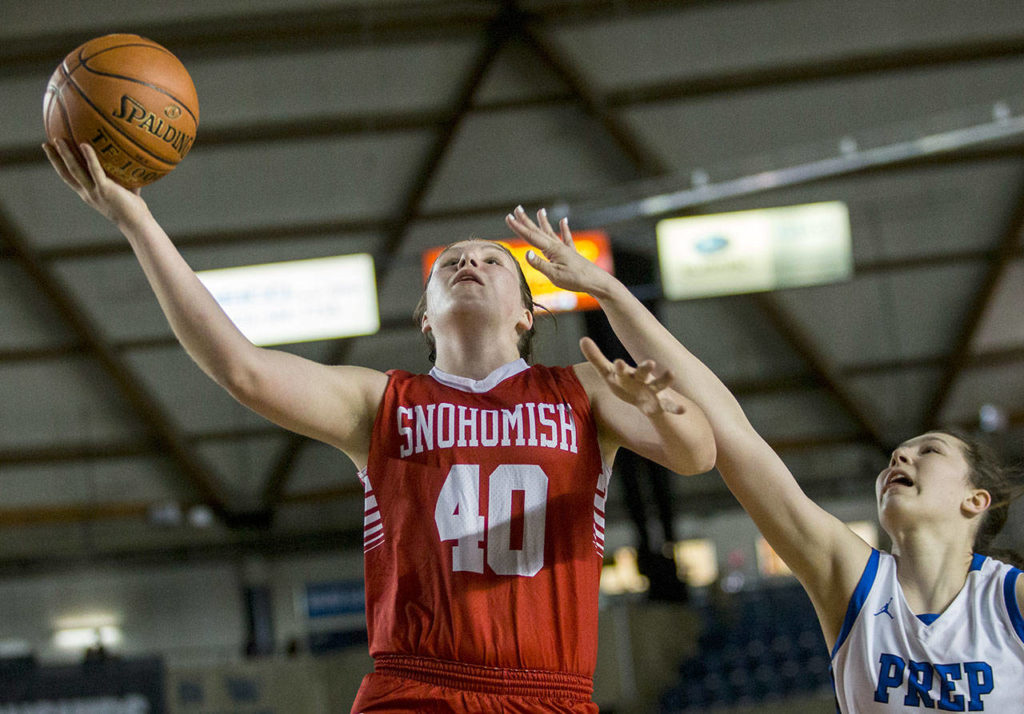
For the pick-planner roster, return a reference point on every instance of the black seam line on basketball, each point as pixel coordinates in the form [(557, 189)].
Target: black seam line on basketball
[(184, 106), (58, 99), (63, 65), (116, 128), (150, 44), (83, 58)]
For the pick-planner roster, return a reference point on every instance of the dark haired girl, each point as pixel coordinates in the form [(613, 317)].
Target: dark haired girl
[(935, 624)]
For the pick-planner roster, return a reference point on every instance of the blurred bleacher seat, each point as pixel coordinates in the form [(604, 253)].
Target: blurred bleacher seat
[(755, 645)]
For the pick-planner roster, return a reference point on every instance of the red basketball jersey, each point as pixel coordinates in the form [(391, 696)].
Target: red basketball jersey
[(484, 520)]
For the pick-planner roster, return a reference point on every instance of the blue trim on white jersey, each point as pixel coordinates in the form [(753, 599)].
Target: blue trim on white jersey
[(860, 594), (1010, 596), (976, 562)]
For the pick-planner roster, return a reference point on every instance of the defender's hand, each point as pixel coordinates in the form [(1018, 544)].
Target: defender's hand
[(640, 386), (564, 266)]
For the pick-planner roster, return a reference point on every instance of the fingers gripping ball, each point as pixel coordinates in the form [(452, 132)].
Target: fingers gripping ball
[(131, 99)]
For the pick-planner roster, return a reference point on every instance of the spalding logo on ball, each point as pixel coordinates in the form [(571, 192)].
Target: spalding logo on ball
[(131, 99)]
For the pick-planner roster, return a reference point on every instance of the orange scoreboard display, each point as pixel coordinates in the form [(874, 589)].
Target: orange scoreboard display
[(592, 245)]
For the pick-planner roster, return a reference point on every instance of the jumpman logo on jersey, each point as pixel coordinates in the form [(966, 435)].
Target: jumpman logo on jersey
[(885, 609)]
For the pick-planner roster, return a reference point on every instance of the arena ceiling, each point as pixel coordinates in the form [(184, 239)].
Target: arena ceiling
[(391, 126)]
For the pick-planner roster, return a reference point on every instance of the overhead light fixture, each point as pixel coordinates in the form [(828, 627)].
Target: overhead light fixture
[(76, 632), (299, 300), (78, 638), (992, 419), (200, 516)]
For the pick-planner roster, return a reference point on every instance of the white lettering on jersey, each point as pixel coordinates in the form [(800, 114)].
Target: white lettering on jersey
[(546, 425), (971, 658)]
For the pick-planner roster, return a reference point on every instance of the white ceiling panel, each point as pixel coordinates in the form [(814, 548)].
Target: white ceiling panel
[(399, 286), (1001, 386), (898, 399), (523, 155), (732, 336), (353, 80), (320, 468), (27, 319), (517, 73), (194, 402), (881, 317), (128, 480), (239, 251), (934, 216), (61, 401), (1003, 324), (26, 17), (21, 112), (624, 50), (114, 291), (805, 415), (765, 128), (242, 465), (851, 468)]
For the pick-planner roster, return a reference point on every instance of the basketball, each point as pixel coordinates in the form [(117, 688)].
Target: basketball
[(131, 99)]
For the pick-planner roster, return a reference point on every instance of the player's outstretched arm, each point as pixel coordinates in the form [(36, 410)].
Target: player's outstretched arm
[(826, 556), (333, 404), (675, 432)]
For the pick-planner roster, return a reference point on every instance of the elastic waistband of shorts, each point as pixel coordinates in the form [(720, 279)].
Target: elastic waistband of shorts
[(487, 680)]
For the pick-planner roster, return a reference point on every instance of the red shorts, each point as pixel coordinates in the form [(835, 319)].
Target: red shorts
[(403, 685)]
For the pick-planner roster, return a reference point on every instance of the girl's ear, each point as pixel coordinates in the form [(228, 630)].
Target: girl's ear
[(977, 502), (526, 321)]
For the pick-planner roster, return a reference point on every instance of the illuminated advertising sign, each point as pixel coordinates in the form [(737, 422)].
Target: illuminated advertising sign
[(300, 300), (753, 251)]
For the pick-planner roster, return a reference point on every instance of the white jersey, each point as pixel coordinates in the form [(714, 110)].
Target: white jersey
[(969, 659)]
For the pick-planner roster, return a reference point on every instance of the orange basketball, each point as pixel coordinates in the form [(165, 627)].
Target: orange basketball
[(131, 99)]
